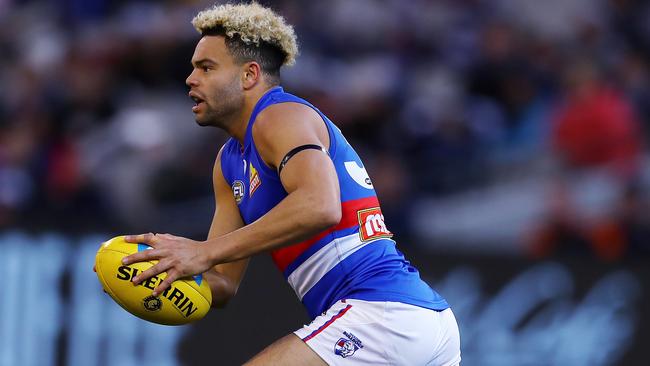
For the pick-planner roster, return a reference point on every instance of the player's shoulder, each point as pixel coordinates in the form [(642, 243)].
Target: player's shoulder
[(282, 114), (288, 117)]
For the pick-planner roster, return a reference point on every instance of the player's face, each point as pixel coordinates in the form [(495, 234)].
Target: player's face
[(215, 83)]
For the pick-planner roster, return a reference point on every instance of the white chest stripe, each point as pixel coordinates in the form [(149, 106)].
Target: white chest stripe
[(303, 278)]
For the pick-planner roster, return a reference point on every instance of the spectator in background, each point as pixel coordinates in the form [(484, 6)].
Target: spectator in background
[(511, 78), (596, 125)]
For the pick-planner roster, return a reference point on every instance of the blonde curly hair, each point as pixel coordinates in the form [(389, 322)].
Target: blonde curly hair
[(251, 23)]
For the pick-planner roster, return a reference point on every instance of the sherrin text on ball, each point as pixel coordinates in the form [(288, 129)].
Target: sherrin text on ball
[(187, 300)]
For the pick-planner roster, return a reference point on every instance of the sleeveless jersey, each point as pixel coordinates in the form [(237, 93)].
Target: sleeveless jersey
[(355, 259)]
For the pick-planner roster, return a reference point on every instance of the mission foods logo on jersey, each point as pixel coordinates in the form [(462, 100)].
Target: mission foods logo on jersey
[(371, 224), (255, 180)]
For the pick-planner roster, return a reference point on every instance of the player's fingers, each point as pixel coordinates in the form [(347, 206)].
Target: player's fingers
[(141, 256), (150, 272), (166, 283), (148, 238)]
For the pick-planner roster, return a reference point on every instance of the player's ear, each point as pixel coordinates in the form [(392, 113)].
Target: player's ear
[(251, 74)]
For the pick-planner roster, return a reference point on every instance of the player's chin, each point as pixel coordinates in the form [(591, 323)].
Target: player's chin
[(201, 120)]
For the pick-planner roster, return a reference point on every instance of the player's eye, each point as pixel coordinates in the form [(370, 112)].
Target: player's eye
[(206, 68)]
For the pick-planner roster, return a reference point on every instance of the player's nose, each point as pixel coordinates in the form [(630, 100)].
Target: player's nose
[(191, 80)]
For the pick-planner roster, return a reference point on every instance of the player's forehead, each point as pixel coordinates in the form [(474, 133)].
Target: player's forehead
[(211, 48)]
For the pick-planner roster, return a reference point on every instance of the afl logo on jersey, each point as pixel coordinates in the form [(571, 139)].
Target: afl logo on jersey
[(359, 174), (238, 190)]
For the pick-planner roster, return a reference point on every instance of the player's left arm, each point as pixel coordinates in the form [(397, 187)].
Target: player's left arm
[(312, 203)]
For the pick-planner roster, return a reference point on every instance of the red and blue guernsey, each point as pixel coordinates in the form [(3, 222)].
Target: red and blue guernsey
[(356, 259)]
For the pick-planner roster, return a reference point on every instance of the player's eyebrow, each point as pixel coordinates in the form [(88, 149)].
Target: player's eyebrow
[(203, 62)]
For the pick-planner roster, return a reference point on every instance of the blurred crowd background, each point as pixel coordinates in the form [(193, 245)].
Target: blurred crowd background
[(515, 126)]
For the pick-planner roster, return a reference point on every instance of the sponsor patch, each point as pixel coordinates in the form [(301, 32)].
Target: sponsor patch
[(372, 225), (358, 174), (255, 180)]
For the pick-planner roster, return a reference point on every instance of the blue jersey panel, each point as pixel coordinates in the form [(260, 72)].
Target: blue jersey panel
[(354, 259)]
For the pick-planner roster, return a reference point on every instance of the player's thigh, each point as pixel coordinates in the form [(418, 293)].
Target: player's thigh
[(287, 351), (357, 332)]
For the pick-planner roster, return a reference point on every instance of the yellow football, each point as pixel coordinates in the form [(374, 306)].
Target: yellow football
[(187, 300)]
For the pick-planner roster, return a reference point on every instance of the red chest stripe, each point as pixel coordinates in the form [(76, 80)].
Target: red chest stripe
[(284, 256)]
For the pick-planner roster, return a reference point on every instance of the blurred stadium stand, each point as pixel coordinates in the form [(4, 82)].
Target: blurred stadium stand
[(507, 139)]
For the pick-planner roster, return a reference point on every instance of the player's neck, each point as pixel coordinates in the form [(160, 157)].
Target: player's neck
[(238, 130)]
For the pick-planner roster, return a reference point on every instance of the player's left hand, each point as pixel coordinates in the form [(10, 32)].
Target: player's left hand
[(179, 257)]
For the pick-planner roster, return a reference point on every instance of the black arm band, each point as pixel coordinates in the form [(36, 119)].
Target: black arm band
[(296, 150)]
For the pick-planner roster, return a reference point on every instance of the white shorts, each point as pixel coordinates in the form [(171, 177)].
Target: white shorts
[(355, 332)]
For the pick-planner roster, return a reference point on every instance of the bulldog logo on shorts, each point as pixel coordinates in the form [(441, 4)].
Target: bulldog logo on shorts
[(345, 348)]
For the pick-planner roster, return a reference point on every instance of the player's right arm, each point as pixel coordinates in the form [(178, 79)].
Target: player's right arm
[(224, 279)]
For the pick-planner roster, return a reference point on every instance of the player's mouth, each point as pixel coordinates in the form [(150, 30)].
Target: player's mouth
[(198, 101)]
